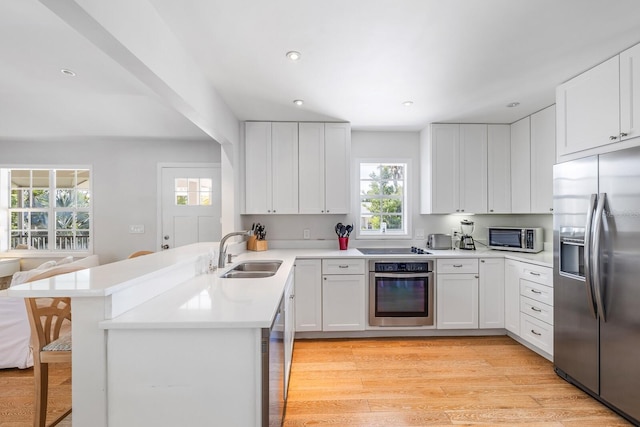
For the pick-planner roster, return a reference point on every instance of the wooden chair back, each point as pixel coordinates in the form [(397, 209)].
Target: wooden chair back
[(139, 253)]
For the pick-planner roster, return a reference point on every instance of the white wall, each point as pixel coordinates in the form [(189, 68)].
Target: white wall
[(377, 145), (124, 182)]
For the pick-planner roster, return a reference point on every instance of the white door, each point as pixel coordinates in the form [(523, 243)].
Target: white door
[(190, 205)]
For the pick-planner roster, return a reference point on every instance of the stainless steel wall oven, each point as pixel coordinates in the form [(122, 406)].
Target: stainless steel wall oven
[(401, 293)]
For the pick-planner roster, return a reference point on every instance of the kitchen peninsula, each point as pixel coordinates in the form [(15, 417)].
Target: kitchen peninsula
[(158, 342)]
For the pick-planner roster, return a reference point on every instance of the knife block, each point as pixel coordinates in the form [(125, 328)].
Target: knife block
[(254, 244)]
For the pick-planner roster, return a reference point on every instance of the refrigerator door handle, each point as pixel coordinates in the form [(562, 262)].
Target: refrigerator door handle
[(597, 229), (588, 280)]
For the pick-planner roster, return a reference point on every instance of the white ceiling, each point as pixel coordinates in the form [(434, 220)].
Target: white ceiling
[(457, 60)]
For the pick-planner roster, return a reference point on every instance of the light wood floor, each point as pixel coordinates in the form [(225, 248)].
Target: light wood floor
[(17, 390), (433, 381)]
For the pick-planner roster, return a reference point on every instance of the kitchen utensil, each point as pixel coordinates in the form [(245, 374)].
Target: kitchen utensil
[(466, 229)]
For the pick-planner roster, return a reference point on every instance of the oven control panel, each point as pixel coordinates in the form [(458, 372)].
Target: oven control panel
[(399, 267)]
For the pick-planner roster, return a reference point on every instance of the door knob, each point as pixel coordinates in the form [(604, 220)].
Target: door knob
[(167, 237), (165, 246)]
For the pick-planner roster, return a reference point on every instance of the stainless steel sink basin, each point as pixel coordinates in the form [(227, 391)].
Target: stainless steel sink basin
[(253, 270)]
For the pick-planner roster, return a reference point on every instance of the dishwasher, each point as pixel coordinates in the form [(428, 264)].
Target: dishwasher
[(273, 400)]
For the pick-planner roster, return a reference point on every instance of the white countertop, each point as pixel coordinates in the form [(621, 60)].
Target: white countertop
[(207, 300)]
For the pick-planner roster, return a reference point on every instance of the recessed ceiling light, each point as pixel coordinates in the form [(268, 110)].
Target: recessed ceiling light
[(293, 55), (407, 103), (513, 104), (68, 72), (298, 102)]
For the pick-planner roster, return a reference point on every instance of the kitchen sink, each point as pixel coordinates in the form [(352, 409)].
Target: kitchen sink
[(253, 270)]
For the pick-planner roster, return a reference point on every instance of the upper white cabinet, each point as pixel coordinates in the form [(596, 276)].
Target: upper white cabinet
[(271, 162), (499, 168), (599, 108), (324, 156), (521, 166), (543, 156), (454, 163)]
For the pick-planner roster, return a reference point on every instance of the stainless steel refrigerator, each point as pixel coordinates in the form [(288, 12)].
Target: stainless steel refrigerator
[(597, 277)]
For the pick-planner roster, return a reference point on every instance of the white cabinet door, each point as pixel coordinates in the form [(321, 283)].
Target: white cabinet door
[(473, 168), (521, 166), (312, 167), (499, 168), (512, 296), (491, 293), (543, 156), (289, 328), (337, 172), (257, 167), (343, 302), (284, 168), (457, 301), (271, 168), (630, 93), (442, 153), (588, 109), (308, 295)]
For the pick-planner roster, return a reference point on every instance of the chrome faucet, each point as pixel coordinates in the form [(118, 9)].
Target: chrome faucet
[(222, 252)]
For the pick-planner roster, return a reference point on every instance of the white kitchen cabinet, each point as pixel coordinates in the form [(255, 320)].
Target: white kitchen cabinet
[(308, 282), (491, 293), (521, 166), (543, 157), (457, 293), (343, 302), (588, 109), (454, 162), (324, 164), (499, 168), (512, 296), (289, 328), (271, 168)]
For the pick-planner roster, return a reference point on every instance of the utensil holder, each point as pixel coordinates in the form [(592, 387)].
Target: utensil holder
[(253, 244), (343, 242)]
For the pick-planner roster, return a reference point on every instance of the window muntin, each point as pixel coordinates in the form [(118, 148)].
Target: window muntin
[(50, 209), (383, 199)]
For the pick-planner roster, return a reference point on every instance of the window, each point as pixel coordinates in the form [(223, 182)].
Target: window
[(383, 199), (193, 191), (49, 209)]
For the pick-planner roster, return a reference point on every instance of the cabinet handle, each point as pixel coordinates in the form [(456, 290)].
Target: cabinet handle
[(457, 265), (550, 209), (533, 273), (536, 333), (292, 296), (343, 266), (613, 137), (477, 277), (481, 260), (623, 134), (327, 210), (490, 210), (536, 309), (321, 211), (535, 291)]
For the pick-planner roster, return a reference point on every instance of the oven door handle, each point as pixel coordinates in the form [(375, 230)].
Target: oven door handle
[(403, 275)]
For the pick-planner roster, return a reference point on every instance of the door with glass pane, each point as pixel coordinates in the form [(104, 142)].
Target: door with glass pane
[(190, 205)]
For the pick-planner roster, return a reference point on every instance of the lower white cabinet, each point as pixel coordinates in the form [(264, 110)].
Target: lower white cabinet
[(457, 293), (491, 293), (512, 296), (289, 328), (308, 284), (343, 303)]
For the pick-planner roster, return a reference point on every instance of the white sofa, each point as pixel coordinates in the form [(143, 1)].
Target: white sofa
[(15, 333)]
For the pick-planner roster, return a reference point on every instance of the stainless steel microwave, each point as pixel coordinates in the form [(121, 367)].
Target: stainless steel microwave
[(516, 239)]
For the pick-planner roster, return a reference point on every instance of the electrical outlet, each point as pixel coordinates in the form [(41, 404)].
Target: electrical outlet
[(306, 233), (136, 229), (419, 233)]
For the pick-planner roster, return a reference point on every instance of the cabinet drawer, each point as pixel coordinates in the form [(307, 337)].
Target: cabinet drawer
[(537, 273), (456, 265), (536, 309), (536, 291), (536, 332), (342, 266)]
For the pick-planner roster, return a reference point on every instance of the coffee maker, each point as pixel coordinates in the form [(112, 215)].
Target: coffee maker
[(466, 230)]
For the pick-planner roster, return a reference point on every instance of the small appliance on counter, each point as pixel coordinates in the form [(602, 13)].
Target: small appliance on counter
[(466, 230), (439, 241), (517, 239)]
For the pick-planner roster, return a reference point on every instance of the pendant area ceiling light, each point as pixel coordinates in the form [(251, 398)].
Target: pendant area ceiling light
[(293, 55), (298, 102), (68, 72), (407, 103), (513, 104)]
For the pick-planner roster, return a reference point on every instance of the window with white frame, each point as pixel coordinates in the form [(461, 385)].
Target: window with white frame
[(49, 209), (383, 199)]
